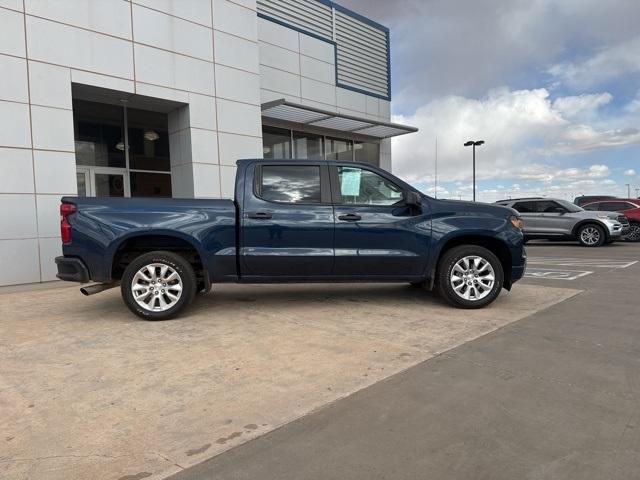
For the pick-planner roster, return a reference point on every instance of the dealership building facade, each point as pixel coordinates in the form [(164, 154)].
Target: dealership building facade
[(161, 97)]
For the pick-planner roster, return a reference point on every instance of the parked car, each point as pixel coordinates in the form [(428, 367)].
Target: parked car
[(629, 207), (584, 199), (556, 219), (290, 221)]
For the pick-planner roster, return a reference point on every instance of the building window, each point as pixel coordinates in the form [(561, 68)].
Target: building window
[(276, 142), (339, 149), (367, 152), (99, 134), (283, 143), (308, 146), (148, 140), (120, 151)]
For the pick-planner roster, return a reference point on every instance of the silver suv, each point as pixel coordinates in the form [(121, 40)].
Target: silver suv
[(555, 219)]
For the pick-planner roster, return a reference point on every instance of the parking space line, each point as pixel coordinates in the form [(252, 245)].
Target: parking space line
[(581, 262), (550, 274)]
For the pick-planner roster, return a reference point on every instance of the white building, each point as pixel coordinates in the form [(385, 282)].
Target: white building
[(161, 97)]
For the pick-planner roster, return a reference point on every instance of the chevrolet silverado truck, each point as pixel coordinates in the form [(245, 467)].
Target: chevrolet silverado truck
[(290, 221)]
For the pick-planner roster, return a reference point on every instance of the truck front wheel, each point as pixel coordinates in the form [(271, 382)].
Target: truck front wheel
[(158, 285), (469, 276)]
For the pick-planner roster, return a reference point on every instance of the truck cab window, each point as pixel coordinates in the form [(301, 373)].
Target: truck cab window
[(290, 183), (363, 187)]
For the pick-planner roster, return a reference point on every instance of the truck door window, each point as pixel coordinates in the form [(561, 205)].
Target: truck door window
[(363, 187), (290, 183)]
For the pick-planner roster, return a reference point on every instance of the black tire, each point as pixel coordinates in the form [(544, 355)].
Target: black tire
[(179, 265), (444, 274), (634, 232), (597, 239)]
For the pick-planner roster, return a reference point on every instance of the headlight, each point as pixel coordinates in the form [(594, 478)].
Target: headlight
[(517, 222), (608, 216)]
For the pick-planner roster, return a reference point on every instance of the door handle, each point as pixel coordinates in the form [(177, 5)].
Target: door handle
[(350, 217), (260, 215)]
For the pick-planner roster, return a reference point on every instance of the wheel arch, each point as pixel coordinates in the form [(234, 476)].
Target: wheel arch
[(136, 244), (495, 245), (589, 221)]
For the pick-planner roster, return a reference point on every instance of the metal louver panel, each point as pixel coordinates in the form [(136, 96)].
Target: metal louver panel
[(308, 15), (363, 52), (362, 46)]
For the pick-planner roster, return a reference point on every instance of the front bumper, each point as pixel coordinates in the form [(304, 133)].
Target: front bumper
[(614, 228), (72, 269)]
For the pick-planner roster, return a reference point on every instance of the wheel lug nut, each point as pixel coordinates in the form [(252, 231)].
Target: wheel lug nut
[(162, 290)]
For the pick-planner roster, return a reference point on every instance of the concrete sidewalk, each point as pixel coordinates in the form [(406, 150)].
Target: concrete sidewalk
[(87, 390)]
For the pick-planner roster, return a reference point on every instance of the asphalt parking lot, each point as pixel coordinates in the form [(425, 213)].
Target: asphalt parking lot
[(331, 381), (555, 395)]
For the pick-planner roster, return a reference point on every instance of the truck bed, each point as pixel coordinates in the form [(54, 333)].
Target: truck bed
[(101, 226)]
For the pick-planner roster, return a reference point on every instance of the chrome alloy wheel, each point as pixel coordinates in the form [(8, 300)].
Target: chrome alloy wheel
[(156, 287), (590, 235), (472, 278)]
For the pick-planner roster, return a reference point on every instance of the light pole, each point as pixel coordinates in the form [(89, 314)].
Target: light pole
[(628, 190), (474, 144)]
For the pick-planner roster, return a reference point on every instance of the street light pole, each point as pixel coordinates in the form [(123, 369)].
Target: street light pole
[(474, 144), (628, 190)]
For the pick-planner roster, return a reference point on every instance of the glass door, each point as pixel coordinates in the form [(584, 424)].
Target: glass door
[(102, 182), (109, 183), (83, 178)]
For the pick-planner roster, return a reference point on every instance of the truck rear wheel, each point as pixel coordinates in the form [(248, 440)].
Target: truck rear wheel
[(469, 276), (158, 285)]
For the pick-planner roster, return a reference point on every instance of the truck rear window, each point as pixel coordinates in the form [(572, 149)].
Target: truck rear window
[(290, 183)]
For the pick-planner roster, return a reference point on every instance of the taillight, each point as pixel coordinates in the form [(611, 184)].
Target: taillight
[(66, 209)]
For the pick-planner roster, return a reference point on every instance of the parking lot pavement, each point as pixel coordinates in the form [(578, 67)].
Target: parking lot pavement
[(566, 261), (553, 396), (87, 391)]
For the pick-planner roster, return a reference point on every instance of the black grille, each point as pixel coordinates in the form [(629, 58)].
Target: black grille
[(623, 220)]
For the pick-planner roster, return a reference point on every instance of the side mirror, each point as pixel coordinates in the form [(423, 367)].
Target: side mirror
[(559, 210), (412, 198)]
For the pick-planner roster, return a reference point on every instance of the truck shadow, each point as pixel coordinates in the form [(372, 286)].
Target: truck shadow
[(283, 296)]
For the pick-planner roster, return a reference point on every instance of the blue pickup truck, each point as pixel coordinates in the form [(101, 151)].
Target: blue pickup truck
[(290, 221)]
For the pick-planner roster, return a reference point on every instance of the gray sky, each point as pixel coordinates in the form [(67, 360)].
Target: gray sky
[(552, 86)]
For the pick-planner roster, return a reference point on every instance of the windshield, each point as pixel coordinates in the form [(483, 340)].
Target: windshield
[(570, 206)]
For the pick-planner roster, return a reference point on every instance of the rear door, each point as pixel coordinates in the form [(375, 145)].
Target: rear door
[(287, 221), (376, 233)]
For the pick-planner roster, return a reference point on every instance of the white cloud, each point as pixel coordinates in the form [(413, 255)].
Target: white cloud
[(608, 63), (630, 173), (581, 106), (521, 128)]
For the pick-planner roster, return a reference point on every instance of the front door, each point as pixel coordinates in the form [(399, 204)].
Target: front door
[(553, 218), (376, 233), (287, 221)]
